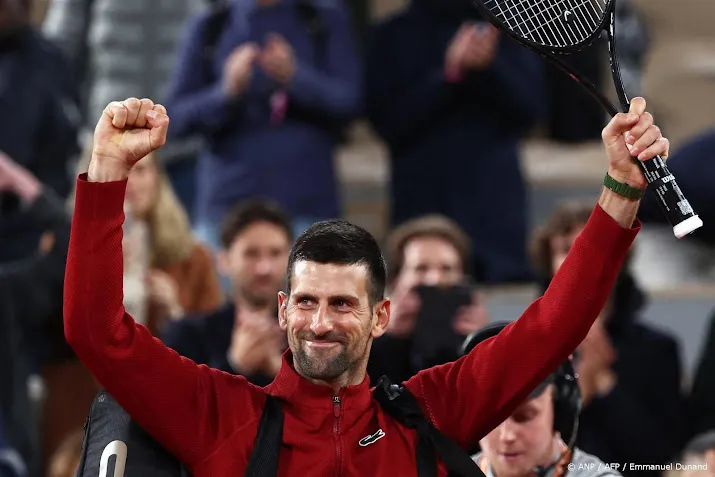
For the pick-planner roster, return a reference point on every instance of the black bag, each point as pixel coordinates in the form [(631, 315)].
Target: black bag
[(112, 439)]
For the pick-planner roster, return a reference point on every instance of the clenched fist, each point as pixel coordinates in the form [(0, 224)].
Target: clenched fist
[(631, 137), (127, 131)]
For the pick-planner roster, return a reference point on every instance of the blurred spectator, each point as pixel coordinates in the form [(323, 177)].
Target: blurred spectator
[(432, 251), (678, 68), (119, 50), (271, 103), (690, 260), (30, 295), (181, 277), (11, 463), (625, 367), (168, 272), (38, 127), (243, 337), (702, 393), (65, 461), (452, 99)]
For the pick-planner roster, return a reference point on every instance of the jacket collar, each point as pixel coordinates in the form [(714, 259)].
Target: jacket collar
[(295, 389)]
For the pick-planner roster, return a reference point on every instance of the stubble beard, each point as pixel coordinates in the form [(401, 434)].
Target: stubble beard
[(314, 367)]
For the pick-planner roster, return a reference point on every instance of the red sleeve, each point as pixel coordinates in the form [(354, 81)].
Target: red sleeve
[(470, 397), (189, 409)]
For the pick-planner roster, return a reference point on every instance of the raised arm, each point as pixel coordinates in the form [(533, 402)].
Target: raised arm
[(182, 405), (468, 398)]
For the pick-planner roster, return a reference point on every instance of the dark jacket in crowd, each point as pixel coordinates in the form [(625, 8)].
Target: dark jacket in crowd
[(701, 404), (30, 295), (38, 129), (247, 154), (207, 339), (691, 165), (642, 420), (459, 141)]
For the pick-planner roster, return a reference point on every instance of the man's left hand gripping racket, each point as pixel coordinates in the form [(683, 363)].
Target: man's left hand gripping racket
[(552, 27)]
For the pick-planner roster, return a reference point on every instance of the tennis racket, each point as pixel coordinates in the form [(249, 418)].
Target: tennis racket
[(558, 27)]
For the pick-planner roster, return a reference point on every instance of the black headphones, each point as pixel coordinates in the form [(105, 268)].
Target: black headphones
[(567, 396)]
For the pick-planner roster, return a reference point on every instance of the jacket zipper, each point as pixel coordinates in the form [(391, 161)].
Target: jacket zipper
[(336, 436)]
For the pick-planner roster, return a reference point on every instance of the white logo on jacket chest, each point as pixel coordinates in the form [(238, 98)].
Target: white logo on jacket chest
[(372, 438)]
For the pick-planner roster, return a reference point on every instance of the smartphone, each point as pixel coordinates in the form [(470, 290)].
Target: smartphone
[(434, 334)]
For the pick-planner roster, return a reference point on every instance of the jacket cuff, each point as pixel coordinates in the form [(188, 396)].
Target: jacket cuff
[(603, 231), (99, 200)]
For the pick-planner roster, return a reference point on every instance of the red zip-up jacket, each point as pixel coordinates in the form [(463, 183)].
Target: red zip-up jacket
[(209, 419)]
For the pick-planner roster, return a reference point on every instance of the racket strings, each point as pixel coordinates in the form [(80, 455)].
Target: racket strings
[(554, 23)]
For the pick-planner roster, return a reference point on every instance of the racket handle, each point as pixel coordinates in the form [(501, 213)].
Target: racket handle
[(670, 198)]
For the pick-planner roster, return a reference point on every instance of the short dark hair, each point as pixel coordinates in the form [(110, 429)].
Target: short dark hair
[(340, 242), (249, 212)]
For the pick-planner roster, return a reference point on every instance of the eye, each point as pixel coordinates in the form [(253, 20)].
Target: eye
[(305, 301)]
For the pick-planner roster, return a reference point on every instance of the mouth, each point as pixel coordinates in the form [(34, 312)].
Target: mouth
[(510, 456), (322, 344)]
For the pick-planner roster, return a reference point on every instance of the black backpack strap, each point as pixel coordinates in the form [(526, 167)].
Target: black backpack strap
[(264, 459), (401, 404)]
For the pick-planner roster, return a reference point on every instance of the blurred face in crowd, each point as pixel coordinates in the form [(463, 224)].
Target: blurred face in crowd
[(143, 186), (331, 322), (431, 261), (256, 262), (560, 246), (524, 440)]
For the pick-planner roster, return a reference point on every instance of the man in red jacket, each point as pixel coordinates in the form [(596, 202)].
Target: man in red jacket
[(333, 309)]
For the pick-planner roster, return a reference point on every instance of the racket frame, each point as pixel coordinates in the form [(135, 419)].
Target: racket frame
[(670, 198)]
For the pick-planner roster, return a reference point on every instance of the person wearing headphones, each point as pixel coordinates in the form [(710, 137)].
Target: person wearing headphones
[(538, 438)]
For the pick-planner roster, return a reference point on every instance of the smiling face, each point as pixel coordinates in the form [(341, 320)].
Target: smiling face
[(524, 440), (330, 321)]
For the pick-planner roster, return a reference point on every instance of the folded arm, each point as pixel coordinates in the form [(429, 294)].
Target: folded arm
[(470, 397), (152, 382)]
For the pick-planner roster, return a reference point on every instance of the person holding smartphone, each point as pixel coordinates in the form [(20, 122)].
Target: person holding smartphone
[(434, 305)]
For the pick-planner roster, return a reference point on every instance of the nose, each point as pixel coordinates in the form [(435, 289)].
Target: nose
[(321, 323), (507, 431), (263, 267), (433, 277)]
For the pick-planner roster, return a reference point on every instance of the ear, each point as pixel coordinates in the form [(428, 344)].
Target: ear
[(282, 305), (382, 315)]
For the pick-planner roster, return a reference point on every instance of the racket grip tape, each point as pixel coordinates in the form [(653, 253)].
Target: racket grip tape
[(671, 200)]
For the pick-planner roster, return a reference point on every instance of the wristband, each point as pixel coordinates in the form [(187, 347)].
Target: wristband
[(622, 189)]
